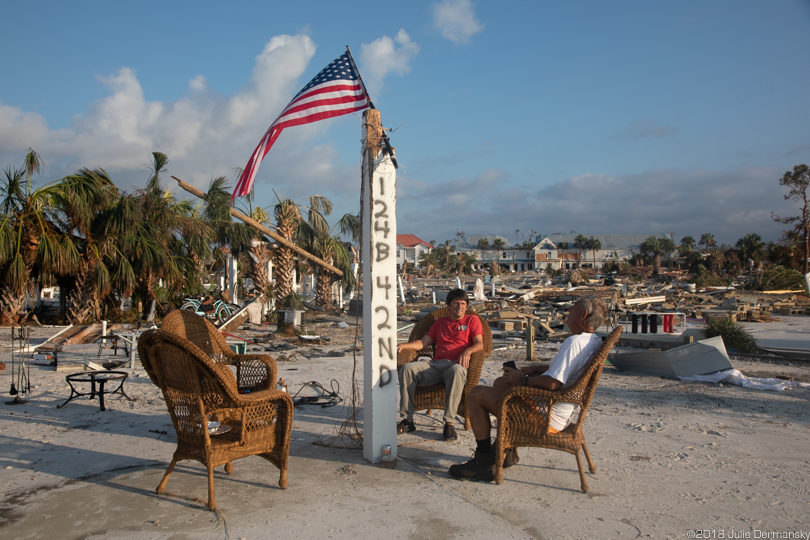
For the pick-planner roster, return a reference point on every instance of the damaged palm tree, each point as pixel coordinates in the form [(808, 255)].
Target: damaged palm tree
[(159, 236), (286, 213), (288, 217), (35, 246), (239, 237), (100, 269), (327, 245)]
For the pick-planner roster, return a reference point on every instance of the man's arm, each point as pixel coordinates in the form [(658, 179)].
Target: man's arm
[(416, 345), (477, 346), (517, 377)]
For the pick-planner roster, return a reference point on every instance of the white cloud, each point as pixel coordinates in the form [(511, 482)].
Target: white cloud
[(198, 83), (204, 134), (385, 55), (728, 204), (456, 20)]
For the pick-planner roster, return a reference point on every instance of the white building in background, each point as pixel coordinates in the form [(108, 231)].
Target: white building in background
[(410, 249), (558, 250), (511, 258)]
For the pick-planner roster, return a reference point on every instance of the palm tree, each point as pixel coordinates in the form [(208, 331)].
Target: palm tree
[(327, 245), (288, 217), (160, 237), (35, 240), (687, 244), (88, 198), (751, 248), (238, 238), (498, 244), (289, 225), (581, 243), (707, 241), (483, 244), (657, 246), (595, 244), (445, 251), (466, 261), (428, 260)]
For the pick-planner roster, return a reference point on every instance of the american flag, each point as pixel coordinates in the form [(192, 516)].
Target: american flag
[(335, 91)]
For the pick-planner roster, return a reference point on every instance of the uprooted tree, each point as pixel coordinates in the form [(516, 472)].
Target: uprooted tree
[(797, 183)]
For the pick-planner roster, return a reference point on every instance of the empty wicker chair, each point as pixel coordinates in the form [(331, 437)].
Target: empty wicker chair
[(433, 397), (523, 415), (253, 371), (198, 389)]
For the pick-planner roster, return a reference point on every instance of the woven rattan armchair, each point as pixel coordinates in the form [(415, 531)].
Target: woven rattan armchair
[(433, 397), (198, 389), (253, 371), (523, 415)]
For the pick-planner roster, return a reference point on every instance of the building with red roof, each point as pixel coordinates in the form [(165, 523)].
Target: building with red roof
[(410, 248)]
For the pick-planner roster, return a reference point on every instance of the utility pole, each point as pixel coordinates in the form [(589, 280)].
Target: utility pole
[(379, 292)]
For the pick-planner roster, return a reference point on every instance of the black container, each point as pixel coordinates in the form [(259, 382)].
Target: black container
[(635, 323), (644, 323), (653, 323)]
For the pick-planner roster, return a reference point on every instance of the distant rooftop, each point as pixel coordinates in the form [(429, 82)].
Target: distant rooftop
[(411, 240)]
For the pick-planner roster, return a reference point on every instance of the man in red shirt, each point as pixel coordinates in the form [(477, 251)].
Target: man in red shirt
[(456, 337)]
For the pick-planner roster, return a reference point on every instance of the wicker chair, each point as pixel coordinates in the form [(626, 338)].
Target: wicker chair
[(198, 389), (523, 415), (253, 371), (433, 397)]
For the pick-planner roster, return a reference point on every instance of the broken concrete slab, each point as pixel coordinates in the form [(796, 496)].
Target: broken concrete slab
[(700, 358)]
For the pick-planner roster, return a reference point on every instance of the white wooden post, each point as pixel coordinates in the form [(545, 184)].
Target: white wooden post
[(379, 294), (401, 290), (232, 278), (271, 302)]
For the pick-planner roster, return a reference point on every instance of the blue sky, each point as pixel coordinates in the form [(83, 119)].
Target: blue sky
[(590, 116)]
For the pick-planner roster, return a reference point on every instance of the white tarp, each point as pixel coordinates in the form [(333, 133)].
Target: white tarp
[(734, 376), (478, 291)]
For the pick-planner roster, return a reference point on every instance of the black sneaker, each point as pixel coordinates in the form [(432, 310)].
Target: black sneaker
[(406, 426), (449, 433), (478, 468)]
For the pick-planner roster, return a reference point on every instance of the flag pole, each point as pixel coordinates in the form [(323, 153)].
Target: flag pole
[(385, 141), (359, 78)]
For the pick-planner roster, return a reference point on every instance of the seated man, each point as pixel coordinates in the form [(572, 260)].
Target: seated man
[(584, 318), (456, 337)]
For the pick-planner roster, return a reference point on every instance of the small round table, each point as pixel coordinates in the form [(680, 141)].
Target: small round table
[(97, 380)]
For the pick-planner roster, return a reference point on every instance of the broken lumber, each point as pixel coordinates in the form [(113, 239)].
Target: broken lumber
[(256, 225)]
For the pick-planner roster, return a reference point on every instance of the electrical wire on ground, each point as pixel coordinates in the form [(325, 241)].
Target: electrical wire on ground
[(326, 398)]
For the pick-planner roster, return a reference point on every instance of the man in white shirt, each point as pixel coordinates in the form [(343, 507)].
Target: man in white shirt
[(583, 320)]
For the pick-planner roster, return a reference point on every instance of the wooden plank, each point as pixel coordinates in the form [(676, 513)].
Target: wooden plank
[(256, 225)]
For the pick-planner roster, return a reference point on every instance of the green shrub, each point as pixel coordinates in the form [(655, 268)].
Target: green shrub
[(704, 278), (777, 278), (734, 336)]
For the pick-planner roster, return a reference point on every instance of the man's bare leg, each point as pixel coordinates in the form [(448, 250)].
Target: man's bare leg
[(482, 401)]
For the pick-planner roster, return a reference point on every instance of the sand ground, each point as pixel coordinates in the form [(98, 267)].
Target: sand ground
[(672, 457)]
